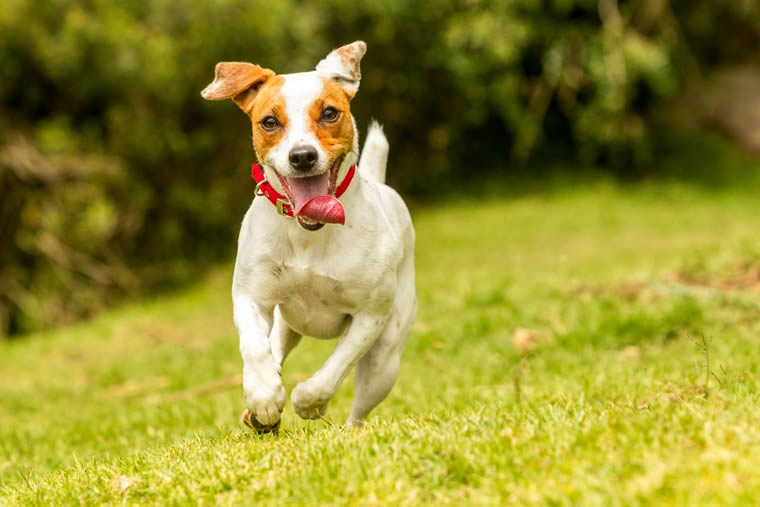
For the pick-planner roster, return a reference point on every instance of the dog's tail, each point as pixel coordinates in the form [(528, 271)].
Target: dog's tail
[(375, 153)]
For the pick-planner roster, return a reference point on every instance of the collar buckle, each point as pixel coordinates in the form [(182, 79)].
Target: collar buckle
[(281, 203)]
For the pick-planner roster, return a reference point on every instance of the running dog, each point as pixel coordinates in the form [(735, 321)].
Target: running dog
[(325, 250)]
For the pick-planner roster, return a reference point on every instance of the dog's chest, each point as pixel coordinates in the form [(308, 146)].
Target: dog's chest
[(318, 280), (307, 286), (312, 304), (317, 294), (320, 284)]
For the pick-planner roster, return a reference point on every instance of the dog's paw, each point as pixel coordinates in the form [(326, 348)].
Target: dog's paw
[(265, 402), (309, 401), (353, 424), (250, 421)]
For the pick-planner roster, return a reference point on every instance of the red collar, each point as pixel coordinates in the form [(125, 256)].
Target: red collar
[(284, 207)]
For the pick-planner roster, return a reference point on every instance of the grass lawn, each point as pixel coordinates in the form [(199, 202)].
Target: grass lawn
[(560, 355)]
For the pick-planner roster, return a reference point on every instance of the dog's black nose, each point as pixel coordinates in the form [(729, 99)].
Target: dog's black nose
[(303, 158)]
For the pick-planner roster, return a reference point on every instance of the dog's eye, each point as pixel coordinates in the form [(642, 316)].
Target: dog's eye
[(269, 123), (330, 114)]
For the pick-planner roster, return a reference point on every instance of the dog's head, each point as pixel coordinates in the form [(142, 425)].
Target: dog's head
[(303, 132)]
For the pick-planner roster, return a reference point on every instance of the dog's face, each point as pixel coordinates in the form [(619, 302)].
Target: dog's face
[(303, 132)]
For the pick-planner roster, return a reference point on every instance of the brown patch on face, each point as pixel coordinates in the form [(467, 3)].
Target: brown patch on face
[(269, 102), (336, 138)]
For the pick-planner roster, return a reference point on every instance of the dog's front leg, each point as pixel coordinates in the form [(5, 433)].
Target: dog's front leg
[(264, 393), (310, 397)]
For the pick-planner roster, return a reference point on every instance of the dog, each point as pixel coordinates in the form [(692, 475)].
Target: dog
[(325, 250)]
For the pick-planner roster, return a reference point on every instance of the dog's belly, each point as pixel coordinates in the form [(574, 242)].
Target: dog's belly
[(313, 319)]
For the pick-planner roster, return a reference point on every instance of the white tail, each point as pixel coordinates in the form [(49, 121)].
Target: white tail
[(375, 153)]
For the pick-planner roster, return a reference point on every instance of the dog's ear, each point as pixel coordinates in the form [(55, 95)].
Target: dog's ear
[(238, 81), (342, 65)]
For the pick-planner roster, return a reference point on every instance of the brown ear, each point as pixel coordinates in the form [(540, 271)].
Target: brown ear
[(239, 81)]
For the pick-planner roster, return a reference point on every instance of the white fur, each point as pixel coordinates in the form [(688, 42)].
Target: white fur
[(355, 281), (375, 154)]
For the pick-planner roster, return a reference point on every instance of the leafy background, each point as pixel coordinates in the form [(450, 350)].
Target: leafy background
[(117, 178)]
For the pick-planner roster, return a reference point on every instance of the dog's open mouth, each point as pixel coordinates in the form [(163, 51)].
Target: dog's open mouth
[(313, 198)]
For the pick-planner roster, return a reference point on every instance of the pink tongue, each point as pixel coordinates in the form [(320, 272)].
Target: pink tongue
[(311, 200), (323, 208)]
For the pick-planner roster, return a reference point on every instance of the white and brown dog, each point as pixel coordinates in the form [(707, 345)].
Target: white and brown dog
[(293, 276)]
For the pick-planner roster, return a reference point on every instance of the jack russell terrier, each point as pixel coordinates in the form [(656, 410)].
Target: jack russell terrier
[(293, 276)]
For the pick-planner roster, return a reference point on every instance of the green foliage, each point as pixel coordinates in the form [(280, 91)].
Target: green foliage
[(115, 175), (610, 407)]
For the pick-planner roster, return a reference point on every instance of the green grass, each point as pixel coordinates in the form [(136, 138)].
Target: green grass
[(622, 290)]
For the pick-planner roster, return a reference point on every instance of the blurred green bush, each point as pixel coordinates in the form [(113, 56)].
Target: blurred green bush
[(116, 176)]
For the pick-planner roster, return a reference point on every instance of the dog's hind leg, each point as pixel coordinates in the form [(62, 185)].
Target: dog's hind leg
[(282, 338), (310, 397), (374, 154), (377, 371)]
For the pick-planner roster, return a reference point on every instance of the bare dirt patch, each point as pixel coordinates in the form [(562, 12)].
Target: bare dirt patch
[(746, 276)]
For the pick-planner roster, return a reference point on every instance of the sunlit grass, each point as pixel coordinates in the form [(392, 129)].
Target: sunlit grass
[(611, 293)]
